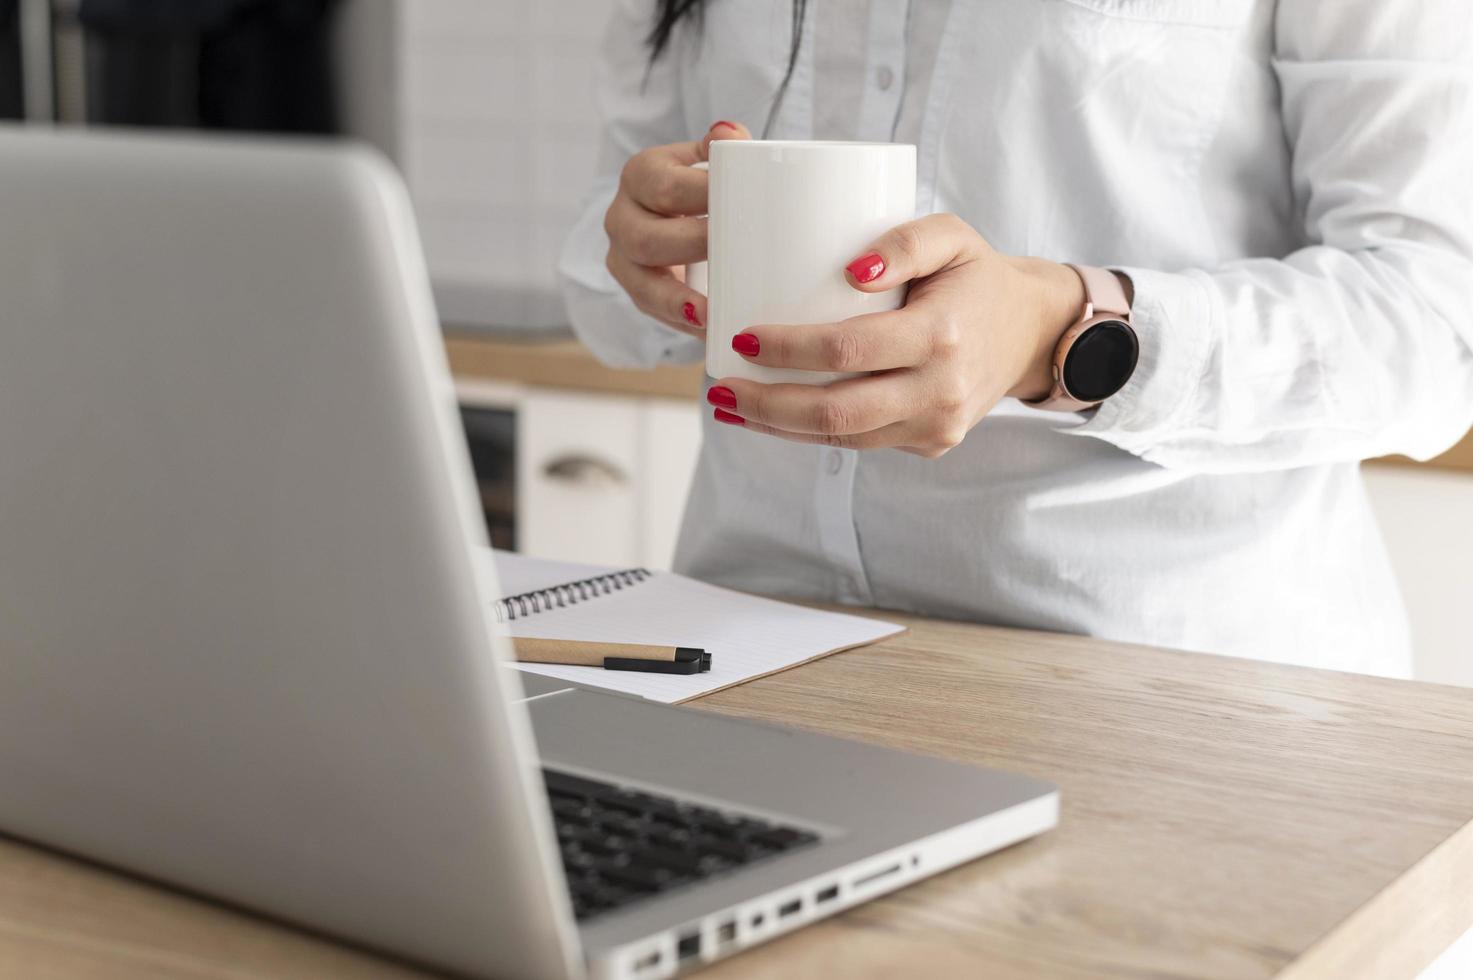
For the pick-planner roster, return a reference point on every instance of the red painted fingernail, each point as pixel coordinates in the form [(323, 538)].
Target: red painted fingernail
[(866, 268), (730, 419), (746, 344), (722, 122), (721, 396), (689, 309)]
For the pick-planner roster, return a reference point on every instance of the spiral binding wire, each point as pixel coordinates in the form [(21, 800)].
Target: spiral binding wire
[(567, 594)]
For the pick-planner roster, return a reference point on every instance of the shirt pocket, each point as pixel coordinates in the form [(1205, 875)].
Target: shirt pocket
[(738, 63), (1155, 69), (1095, 117), (1201, 13)]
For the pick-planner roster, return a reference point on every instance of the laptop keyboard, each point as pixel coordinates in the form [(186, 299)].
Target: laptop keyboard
[(619, 845)]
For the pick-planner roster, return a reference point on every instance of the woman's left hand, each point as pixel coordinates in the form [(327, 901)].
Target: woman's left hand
[(976, 326)]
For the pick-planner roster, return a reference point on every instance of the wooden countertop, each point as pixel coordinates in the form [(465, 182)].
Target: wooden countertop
[(1221, 818), (1458, 459), (563, 364), (568, 364)]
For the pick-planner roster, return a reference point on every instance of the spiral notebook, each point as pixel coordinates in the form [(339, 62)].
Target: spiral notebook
[(747, 636)]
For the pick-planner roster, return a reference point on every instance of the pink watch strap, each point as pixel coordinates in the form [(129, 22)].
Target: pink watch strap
[(1102, 293), (1104, 298)]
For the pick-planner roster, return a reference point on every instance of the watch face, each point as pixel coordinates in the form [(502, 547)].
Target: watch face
[(1100, 361)]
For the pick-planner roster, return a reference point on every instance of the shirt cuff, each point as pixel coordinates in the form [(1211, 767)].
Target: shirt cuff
[(621, 336), (602, 314), (1172, 317)]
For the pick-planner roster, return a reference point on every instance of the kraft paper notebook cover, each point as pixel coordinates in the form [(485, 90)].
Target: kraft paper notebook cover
[(747, 636)]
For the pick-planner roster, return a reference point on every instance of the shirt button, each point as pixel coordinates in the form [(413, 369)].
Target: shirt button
[(836, 461), (884, 77)]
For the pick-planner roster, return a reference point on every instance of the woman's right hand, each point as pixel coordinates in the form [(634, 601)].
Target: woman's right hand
[(657, 225)]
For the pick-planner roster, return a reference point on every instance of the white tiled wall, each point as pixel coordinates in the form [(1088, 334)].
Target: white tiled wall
[(495, 133)]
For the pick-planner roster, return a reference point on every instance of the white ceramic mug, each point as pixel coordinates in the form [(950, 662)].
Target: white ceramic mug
[(785, 218), (695, 273)]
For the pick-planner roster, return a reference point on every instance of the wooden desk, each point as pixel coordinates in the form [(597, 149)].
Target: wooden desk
[(1221, 818)]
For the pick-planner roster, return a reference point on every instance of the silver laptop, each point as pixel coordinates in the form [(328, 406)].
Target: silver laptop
[(243, 648)]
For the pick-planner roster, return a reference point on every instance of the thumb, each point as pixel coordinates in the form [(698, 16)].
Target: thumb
[(722, 130), (914, 250)]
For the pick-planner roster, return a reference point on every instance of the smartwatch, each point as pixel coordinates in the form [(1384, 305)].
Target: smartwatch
[(1097, 355)]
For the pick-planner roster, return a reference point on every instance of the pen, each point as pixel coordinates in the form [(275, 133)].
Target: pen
[(614, 656)]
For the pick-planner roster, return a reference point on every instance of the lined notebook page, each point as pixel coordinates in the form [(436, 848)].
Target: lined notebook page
[(747, 636)]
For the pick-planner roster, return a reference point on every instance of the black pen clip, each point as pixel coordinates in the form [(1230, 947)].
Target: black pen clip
[(653, 666)]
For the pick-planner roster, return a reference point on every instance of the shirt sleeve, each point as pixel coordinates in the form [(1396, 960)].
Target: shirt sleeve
[(1360, 343), (641, 107)]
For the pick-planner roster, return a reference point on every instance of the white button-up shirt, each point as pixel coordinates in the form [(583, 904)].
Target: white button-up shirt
[(1288, 184)]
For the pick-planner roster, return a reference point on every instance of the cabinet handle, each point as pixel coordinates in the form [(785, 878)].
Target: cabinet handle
[(585, 471)]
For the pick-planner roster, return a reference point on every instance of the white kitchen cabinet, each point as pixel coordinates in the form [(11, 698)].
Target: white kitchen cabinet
[(1426, 517), (603, 478), (578, 477), (599, 478)]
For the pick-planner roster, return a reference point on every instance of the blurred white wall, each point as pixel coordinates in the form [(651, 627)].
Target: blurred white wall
[(487, 107), (366, 50)]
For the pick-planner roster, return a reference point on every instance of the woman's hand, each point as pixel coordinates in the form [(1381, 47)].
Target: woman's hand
[(976, 326), (655, 228)]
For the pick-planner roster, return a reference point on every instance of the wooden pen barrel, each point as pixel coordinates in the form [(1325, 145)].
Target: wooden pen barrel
[(536, 651)]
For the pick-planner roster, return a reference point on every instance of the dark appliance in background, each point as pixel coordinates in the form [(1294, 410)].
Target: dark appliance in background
[(12, 105), (260, 65), (492, 436), (251, 65)]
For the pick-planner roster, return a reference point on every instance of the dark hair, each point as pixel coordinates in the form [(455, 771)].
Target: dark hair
[(669, 13)]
